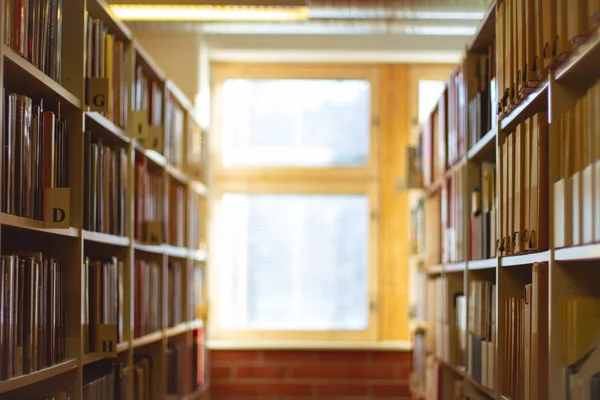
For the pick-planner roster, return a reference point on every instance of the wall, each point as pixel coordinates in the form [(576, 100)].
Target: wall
[(315, 375)]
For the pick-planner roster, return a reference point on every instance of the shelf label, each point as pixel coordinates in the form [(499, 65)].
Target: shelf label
[(57, 208), (154, 232), (139, 124), (106, 340), (98, 94), (155, 138)]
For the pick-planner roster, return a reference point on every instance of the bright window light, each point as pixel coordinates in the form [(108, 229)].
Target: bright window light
[(147, 12)]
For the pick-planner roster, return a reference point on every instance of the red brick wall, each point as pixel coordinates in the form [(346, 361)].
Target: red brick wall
[(314, 375)]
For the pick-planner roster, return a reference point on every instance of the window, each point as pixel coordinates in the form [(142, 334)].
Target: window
[(300, 262), (295, 188), (429, 94), (324, 123)]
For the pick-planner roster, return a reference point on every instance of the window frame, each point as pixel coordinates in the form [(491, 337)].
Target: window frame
[(293, 180)]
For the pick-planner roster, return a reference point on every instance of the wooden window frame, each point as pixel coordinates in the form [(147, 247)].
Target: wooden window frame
[(300, 180)]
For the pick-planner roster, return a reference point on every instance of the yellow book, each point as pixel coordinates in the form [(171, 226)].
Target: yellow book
[(578, 20), (582, 324), (110, 40), (526, 185), (518, 178), (563, 46), (510, 200), (548, 20)]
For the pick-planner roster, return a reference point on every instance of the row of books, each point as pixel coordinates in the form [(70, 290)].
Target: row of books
[(103, 285), (148, 95), (418, 235), (147, 280), (482, 96), (457, 114), (523, 164), (199, 357), (177, 209), (535, 35), (149, 203), (197, 287), (174, 127), (33, 29), (481, 333), (197, 221), (445, 316), (175, 293), (577, 191), (142, 378), (483, 215), (105, 59), (35, 154), (433, 210), (452, 217), (105, 187), (525, 359), (105, 381), (32, 333), (177, 368), (434, 142)]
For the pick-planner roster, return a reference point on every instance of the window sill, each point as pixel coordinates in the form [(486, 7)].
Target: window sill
[(306, 345)]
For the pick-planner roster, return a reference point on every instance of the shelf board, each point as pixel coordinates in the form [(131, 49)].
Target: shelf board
[(24, 78), (104, 129), (105, 238), (147, 339), (525, 259), (174, 251), (455, 167), (177, 329), (578, 253), (435, 269), (91, 358), (462, 373), (34, 225), (483, 264), (485, 148), (152, 69), (38, 376), (197, 255), (486, 32), (199, 188), (581, 67), (123, 346), (181, 98), (177, 174), (150, 248), (536, 101), (99, 9), (455, 267)]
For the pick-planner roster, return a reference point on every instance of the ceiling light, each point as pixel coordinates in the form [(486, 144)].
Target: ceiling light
[(164, 12)]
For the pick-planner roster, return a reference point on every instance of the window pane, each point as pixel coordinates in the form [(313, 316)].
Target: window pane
[(296, 122), (295, 262), (429, 95)]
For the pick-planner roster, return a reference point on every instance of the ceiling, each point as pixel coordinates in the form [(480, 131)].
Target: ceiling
[(351, 17)]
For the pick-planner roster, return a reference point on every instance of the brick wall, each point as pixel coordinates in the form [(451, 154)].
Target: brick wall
[(314, 375)]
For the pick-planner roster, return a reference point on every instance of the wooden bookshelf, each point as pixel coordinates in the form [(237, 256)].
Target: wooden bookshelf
[(572, 252), (78, 242)]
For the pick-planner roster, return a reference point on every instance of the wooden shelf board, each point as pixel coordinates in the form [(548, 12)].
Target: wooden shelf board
[(435, 269), (38, 376), (147, 339), (578, 253), (105, 238), (435, 186), (197, 255), (485, 148), (181, 98), (99, 9), (91, 358), (536, 101), (123, 346), (24, 78), (525, 259), (455, 167), (462, 373), (455, 267), (175, 251), (150, 67), (199, 188), (177, 329), (581, 67), (483, 264), (104, 129), (486, 32), (14, 221), (150, 248), (177, 174)]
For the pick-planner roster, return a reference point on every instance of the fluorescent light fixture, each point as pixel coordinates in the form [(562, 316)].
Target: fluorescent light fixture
[(164, 12)]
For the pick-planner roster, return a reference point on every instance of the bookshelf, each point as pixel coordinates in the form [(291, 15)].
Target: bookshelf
[(128, 174), (498, 323)]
